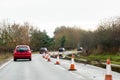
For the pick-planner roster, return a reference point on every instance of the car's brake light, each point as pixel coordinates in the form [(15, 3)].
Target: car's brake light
[(29, 51)]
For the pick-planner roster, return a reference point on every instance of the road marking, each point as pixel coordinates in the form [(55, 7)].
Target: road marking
[(5, 64)]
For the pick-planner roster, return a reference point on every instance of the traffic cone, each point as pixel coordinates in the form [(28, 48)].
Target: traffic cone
[(57, 62), (46, 56), (49, 60), (72, 65), (108, 75), (43, 55)]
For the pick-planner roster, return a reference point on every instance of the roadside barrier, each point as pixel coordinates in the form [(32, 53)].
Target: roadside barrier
[(57, 62), (72, 65), (108, 75)]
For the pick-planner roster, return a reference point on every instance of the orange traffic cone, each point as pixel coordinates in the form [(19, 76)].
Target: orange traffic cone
[(57, 62), (43, 55), (49, 60), (46, 56), (72, 65), (108, 75)]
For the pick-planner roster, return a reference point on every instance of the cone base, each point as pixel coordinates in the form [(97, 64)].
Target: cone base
[(72, 67), (108, 77), (57, 63), (49, 60)]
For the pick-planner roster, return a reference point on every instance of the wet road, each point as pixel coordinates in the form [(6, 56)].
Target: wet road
[(41, 69)]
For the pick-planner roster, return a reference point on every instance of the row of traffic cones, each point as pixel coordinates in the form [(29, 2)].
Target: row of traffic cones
[(47, 56), (72, 65), (108, 75)]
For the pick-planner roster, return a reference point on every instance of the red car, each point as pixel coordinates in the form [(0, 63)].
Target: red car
[(22, 52)]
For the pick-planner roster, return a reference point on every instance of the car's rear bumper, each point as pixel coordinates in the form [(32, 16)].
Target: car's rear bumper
[(22, 56)]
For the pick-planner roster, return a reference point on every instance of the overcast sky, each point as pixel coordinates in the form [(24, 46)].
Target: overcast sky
[(49, 14)]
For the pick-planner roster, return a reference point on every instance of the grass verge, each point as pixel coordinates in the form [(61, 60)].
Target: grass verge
[(5, 56), (115, 59)]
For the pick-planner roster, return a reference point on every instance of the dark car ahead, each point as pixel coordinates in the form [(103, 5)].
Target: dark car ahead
[(61, 51), (42, 50), (79, 50), (22, 52)]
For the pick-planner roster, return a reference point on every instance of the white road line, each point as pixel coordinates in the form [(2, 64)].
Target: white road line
[(6, 63)]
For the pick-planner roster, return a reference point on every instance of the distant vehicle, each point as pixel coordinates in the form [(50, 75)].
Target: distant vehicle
[(42, 50), (22, 52), (79, 49), (61, 51)]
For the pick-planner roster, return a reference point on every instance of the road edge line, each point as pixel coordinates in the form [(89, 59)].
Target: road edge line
[(5, 64)]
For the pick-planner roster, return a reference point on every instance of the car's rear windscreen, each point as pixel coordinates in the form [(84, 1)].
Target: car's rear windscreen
[(21, 49)]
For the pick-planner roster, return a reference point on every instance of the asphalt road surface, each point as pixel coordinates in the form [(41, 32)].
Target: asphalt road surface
[(40, 69)]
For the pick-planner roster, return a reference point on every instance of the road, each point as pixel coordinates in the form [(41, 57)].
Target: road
[(41, 69)]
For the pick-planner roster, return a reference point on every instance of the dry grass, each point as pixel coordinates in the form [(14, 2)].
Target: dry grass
[(4, 56)]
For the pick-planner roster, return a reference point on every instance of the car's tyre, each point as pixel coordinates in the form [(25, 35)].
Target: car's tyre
[(30, 59), (15, 59)]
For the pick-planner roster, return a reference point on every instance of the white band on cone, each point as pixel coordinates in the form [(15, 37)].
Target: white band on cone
[(108, 68), (72, 61), (57, 58)]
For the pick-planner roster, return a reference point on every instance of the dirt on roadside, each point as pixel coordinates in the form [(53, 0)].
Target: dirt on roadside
[(5, 60)]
